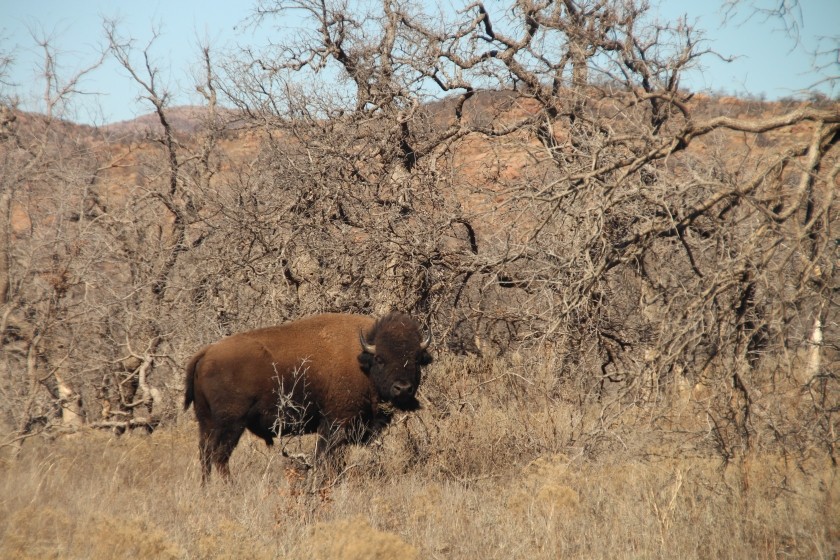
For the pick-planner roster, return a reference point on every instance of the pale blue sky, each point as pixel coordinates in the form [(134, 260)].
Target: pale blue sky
[(769, 62)]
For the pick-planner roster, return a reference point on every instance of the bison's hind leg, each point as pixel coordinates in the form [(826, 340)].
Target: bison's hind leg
[(216, 446), (204, 453)]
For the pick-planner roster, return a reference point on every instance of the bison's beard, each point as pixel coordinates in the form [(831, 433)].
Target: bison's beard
[(405, 404)]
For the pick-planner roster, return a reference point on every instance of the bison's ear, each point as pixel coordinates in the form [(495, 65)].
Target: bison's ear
[(366, 361)]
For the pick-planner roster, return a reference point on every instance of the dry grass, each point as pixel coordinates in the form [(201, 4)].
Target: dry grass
[(494, 467)]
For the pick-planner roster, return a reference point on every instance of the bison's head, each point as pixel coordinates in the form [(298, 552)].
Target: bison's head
[(392, 354)]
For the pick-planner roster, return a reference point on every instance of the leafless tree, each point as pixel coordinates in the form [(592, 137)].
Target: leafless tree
[(44, 168)]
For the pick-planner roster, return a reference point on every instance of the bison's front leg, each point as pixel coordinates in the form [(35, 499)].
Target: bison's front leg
[(329, 454)]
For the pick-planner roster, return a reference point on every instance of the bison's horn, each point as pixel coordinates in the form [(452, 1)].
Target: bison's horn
[(369, 348), (426, 341)]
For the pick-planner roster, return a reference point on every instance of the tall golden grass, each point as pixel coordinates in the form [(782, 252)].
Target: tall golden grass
[(494, 466)]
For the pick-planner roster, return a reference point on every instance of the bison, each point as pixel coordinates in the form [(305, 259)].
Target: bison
[(337, 375)]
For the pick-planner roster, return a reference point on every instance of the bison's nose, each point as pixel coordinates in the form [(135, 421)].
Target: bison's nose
[(402, 389)]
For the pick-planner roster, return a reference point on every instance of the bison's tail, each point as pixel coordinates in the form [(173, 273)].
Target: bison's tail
[(189, 389)]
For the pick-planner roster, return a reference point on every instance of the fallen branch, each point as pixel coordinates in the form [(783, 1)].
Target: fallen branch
[(127, 424)]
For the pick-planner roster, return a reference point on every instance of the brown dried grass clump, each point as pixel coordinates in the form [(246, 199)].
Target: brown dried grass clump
[(355, 539), (542, 487), (46, 532)]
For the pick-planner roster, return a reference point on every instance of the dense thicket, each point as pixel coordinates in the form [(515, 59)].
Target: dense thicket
[(529, 180)]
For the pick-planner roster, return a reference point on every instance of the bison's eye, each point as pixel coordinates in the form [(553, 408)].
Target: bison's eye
[(424, 358)]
